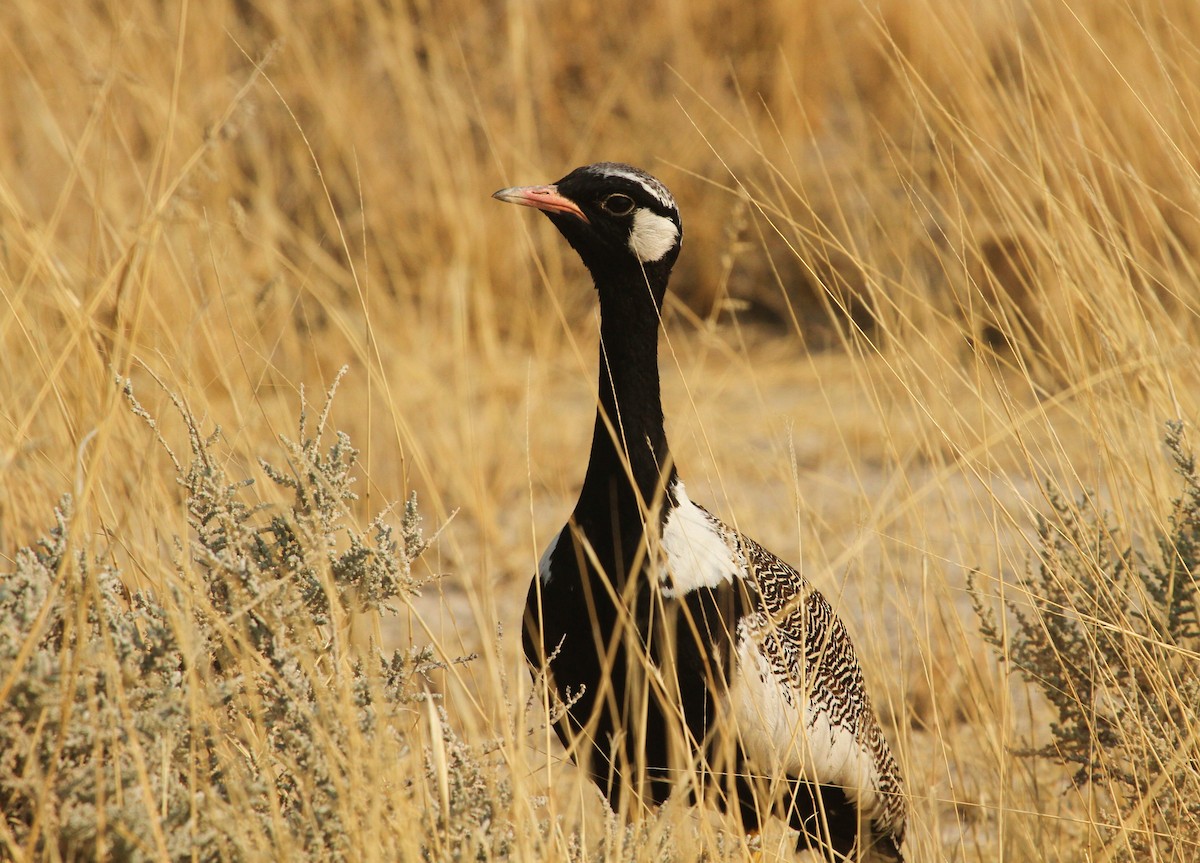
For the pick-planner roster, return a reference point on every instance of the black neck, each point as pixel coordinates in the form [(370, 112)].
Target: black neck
[(630, 461)]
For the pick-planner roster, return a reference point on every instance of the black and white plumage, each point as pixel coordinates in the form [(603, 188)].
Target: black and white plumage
[(675, 634)]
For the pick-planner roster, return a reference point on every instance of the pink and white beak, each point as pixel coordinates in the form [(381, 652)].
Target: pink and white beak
[(540, 198)]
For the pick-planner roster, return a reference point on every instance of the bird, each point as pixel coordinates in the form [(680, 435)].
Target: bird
[(669, 638)]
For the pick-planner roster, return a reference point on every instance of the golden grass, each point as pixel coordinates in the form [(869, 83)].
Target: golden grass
[(975, 224)]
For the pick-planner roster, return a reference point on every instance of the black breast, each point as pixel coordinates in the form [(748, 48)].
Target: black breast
[(632, 663)]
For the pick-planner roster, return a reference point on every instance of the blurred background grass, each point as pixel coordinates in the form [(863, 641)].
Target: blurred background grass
[(936, 254)]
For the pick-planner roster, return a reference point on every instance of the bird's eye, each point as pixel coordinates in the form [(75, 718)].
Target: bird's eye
[(618, 205)]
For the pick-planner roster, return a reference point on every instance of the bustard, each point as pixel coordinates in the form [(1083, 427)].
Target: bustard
[(673, 633)]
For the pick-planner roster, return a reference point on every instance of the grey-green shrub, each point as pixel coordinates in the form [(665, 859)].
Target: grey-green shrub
[(219, 720), (1111, 637)]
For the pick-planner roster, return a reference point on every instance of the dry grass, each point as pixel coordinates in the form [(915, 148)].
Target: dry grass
[(937, 254)]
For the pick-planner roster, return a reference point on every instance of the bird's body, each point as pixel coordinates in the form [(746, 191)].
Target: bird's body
[(677, 641)]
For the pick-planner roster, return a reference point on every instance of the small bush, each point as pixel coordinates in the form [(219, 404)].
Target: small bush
[(228, 717), (1111, 637)]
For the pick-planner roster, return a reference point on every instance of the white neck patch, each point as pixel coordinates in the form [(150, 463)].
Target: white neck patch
[(544, 564), (697, 555), (652, 236)]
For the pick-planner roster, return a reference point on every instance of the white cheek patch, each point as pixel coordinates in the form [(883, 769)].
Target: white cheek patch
[(652, 236)]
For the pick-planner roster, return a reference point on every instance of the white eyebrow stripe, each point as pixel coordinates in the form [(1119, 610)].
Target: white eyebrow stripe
[(653, 187)]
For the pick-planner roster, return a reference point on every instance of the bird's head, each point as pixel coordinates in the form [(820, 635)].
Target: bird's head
[(621, 221)]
